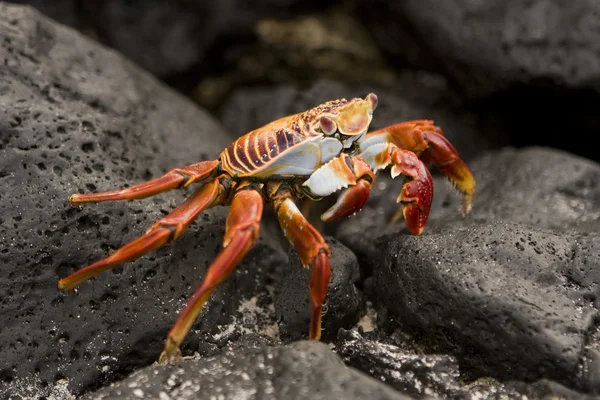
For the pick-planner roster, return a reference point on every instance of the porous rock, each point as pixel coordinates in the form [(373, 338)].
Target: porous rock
[(437, 375), (414, 374), (343, 305), (300, 370), (499, 295), (509, 289), (77, 117)]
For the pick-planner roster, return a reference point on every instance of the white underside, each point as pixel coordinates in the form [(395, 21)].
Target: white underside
[(304, 158), (326, 181)]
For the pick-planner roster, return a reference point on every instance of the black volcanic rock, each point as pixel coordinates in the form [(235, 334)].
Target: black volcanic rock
[(508, 289), (488, 46), (76, 117), (300, 370), (344, 303), (169, 38)]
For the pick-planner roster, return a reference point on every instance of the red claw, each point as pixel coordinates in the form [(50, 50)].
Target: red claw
[(416, 197), (350, 201), (417, 192)]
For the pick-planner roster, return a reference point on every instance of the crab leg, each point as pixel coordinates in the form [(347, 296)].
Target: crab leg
[(179, 177), (428, 142), (312, 251), (241, 232), (162, 232)]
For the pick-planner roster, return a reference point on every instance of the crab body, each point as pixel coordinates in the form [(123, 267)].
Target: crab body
[(311, 155)]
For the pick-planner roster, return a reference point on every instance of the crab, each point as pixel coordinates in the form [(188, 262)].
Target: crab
[(309, 156)]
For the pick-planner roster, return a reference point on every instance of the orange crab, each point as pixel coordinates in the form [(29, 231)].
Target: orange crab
[(307, 155)]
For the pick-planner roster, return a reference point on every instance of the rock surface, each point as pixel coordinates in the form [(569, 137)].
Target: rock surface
[(508, 289), (167, 38), (77, 117), (489, 46), (529, 69), (300, 370)]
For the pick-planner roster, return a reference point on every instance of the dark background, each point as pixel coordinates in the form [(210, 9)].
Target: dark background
[(528, 70)]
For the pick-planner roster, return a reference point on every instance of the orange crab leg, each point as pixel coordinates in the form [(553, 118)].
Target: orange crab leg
[(428, 142), (179, 177), (312, 251), (162, 232), (242, 230)]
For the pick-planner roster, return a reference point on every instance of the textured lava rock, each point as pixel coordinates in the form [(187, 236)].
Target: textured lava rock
[(75, 116), (436, 375), (509, 289), (498, 294), (487, 46), (298, 371), (343, 304), (413, 374)]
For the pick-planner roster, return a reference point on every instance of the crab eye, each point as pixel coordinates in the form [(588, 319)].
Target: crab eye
[(372, 101), (328, 125)]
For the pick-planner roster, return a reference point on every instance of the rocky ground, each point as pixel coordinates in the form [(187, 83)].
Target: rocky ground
[(500, 304)]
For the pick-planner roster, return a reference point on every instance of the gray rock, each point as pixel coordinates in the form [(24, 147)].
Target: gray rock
[(488, 46), (497, 295), (509, 290), (414, 374), (437, 375), (343, 305), (301, 370), (75, 116), (539, 187)]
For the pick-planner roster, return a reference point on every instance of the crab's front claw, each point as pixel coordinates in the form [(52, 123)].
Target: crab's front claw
[(417, 191), (353, 198)]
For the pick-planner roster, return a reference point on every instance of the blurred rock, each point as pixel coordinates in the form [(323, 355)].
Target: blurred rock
[(169, 38), (488, 46), (300, 370), (529, 68), (328, 44)]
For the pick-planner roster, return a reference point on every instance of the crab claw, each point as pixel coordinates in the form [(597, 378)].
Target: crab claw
[(350, 201), (354, 197), (417, 191)]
